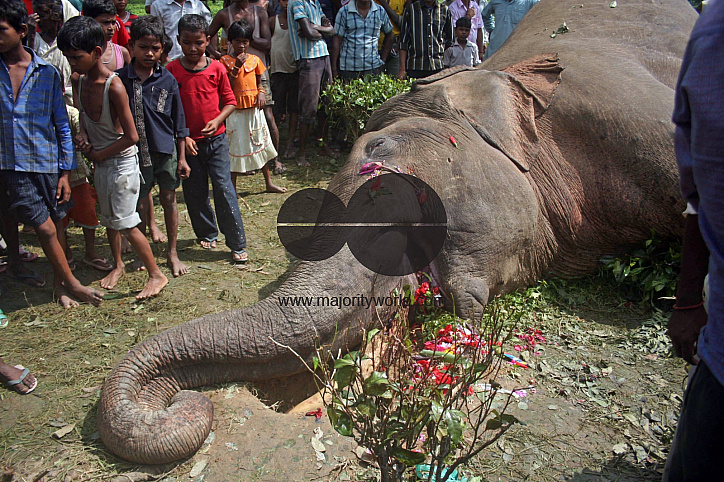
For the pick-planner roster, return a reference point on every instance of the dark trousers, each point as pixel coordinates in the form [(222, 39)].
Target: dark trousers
[(421, 74), (347, 75), (212, 162), (699, 440)]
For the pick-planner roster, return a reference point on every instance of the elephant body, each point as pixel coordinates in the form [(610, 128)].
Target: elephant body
[(565, 153)]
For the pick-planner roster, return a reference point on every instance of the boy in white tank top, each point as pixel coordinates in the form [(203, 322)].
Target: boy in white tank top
[(108, 138)]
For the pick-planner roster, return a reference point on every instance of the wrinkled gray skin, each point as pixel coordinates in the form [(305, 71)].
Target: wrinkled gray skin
[(555, 169)]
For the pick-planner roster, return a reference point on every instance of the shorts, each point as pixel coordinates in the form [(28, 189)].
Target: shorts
[(162, 171), (118, 181), (286, 91), (30, 197), (268, 94), (314, 75), (83, 212)]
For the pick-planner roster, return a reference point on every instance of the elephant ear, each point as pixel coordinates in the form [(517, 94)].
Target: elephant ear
[(503, 106)]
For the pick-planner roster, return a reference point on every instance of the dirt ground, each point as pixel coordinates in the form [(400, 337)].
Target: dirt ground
[(604, 407)]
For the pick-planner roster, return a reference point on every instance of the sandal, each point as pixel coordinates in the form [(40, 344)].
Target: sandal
[(207, 244), (26, 255), (101, 264), (239, 256), (17, 385), (31, 278), (3, 319)]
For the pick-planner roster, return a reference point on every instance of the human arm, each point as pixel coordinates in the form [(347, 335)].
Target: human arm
[(119, 101), (447, 57), (307, 31), (405, 38), (227, 99), (216, 24), (66, 153), (263, 42), (180, 132), (126, 55), (389, 39), (183, 171), (391, 14), (261, 96), (149, 4), (336, 46), (689, 315), (326, 28), (448, 31), (488, 17), (480, 45)]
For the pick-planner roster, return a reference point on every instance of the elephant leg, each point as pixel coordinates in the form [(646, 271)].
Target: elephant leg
[(469, 294)]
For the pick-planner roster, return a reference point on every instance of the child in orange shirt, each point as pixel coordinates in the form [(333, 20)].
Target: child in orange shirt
[(250, 144)]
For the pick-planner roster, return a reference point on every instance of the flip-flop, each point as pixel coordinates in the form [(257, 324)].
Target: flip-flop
[(101, 264), (31, 279), (3, 319), (212, 243), (15, 385), (239, 256), (26, 255)]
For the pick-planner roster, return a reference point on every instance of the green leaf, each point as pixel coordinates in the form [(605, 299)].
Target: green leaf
[(408, 457), (371, 334), (480, 367), (344, 375), (341, 422), (377, 384)]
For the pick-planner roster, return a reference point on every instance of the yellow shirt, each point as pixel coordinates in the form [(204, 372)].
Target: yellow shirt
[(398, 6)]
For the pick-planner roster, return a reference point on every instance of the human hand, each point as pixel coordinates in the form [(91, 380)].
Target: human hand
[(92, 155), (81, 142), (326, 22), (683, 329), (184, 170), (470, 13), (241, 58), (210, 128), (401, 74), (62, 192), (261, 100), (191, 147), (33, 19)]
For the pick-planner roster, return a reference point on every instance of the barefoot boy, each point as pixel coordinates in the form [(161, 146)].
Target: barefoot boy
[(36, 151), (161, 126), (109, 140), (207, 96)]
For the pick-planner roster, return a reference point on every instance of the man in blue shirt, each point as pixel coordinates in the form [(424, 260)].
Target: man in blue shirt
[(357, 36), (307, 26), (500, 18), (698, 337), (36, 155)]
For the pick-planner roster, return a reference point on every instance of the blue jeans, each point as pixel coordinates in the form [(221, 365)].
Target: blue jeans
[(212, 162)]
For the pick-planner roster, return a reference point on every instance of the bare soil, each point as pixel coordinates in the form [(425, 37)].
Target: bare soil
[(602, 378)]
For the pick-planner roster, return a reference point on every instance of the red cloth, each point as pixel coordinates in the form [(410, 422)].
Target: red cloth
[(29, 6), (131, 18), (121, 37), (201, 95)]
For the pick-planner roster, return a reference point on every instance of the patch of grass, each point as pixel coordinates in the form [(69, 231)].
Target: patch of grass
[(138, 7)]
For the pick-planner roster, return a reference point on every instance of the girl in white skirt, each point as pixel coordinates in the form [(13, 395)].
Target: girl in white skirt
[(250, 144)]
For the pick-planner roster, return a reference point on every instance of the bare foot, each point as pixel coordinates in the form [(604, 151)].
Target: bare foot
[(110, 281), (276, 189), (9, 372), (65, 300), (208, 244), (85, 294), (177, 267), (157, 235), (125, 245), (302, 161), (153, 287), (137, 265), (290, 153)]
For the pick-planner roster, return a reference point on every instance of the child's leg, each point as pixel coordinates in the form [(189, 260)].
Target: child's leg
[(170, 212), (290, 151), (156, 279), (114, 241), (225, 201), (196, 195), (234, 177), (156, 234), (50, 237), (270, 186)]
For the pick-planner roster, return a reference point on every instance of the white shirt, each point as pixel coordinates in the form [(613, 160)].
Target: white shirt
[(170, 12)]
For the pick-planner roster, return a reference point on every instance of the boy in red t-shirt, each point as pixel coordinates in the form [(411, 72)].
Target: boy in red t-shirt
[(204, 87)]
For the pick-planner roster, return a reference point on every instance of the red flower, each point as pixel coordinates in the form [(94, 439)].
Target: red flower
[(453, 141), (435, 290)]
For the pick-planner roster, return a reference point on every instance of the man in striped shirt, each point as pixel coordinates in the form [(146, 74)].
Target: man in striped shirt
[(307, 27), (357, 30), (426, 31)]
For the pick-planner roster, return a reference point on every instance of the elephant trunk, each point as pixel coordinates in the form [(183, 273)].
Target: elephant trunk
[(146, 413)]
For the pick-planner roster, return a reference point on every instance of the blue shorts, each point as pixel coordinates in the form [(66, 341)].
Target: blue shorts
[(31, 197)]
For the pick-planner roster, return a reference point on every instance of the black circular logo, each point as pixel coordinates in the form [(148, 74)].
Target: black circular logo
[(394, 224)]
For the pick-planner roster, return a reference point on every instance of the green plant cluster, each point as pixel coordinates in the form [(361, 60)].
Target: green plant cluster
[(651, 271), (350, 104)]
